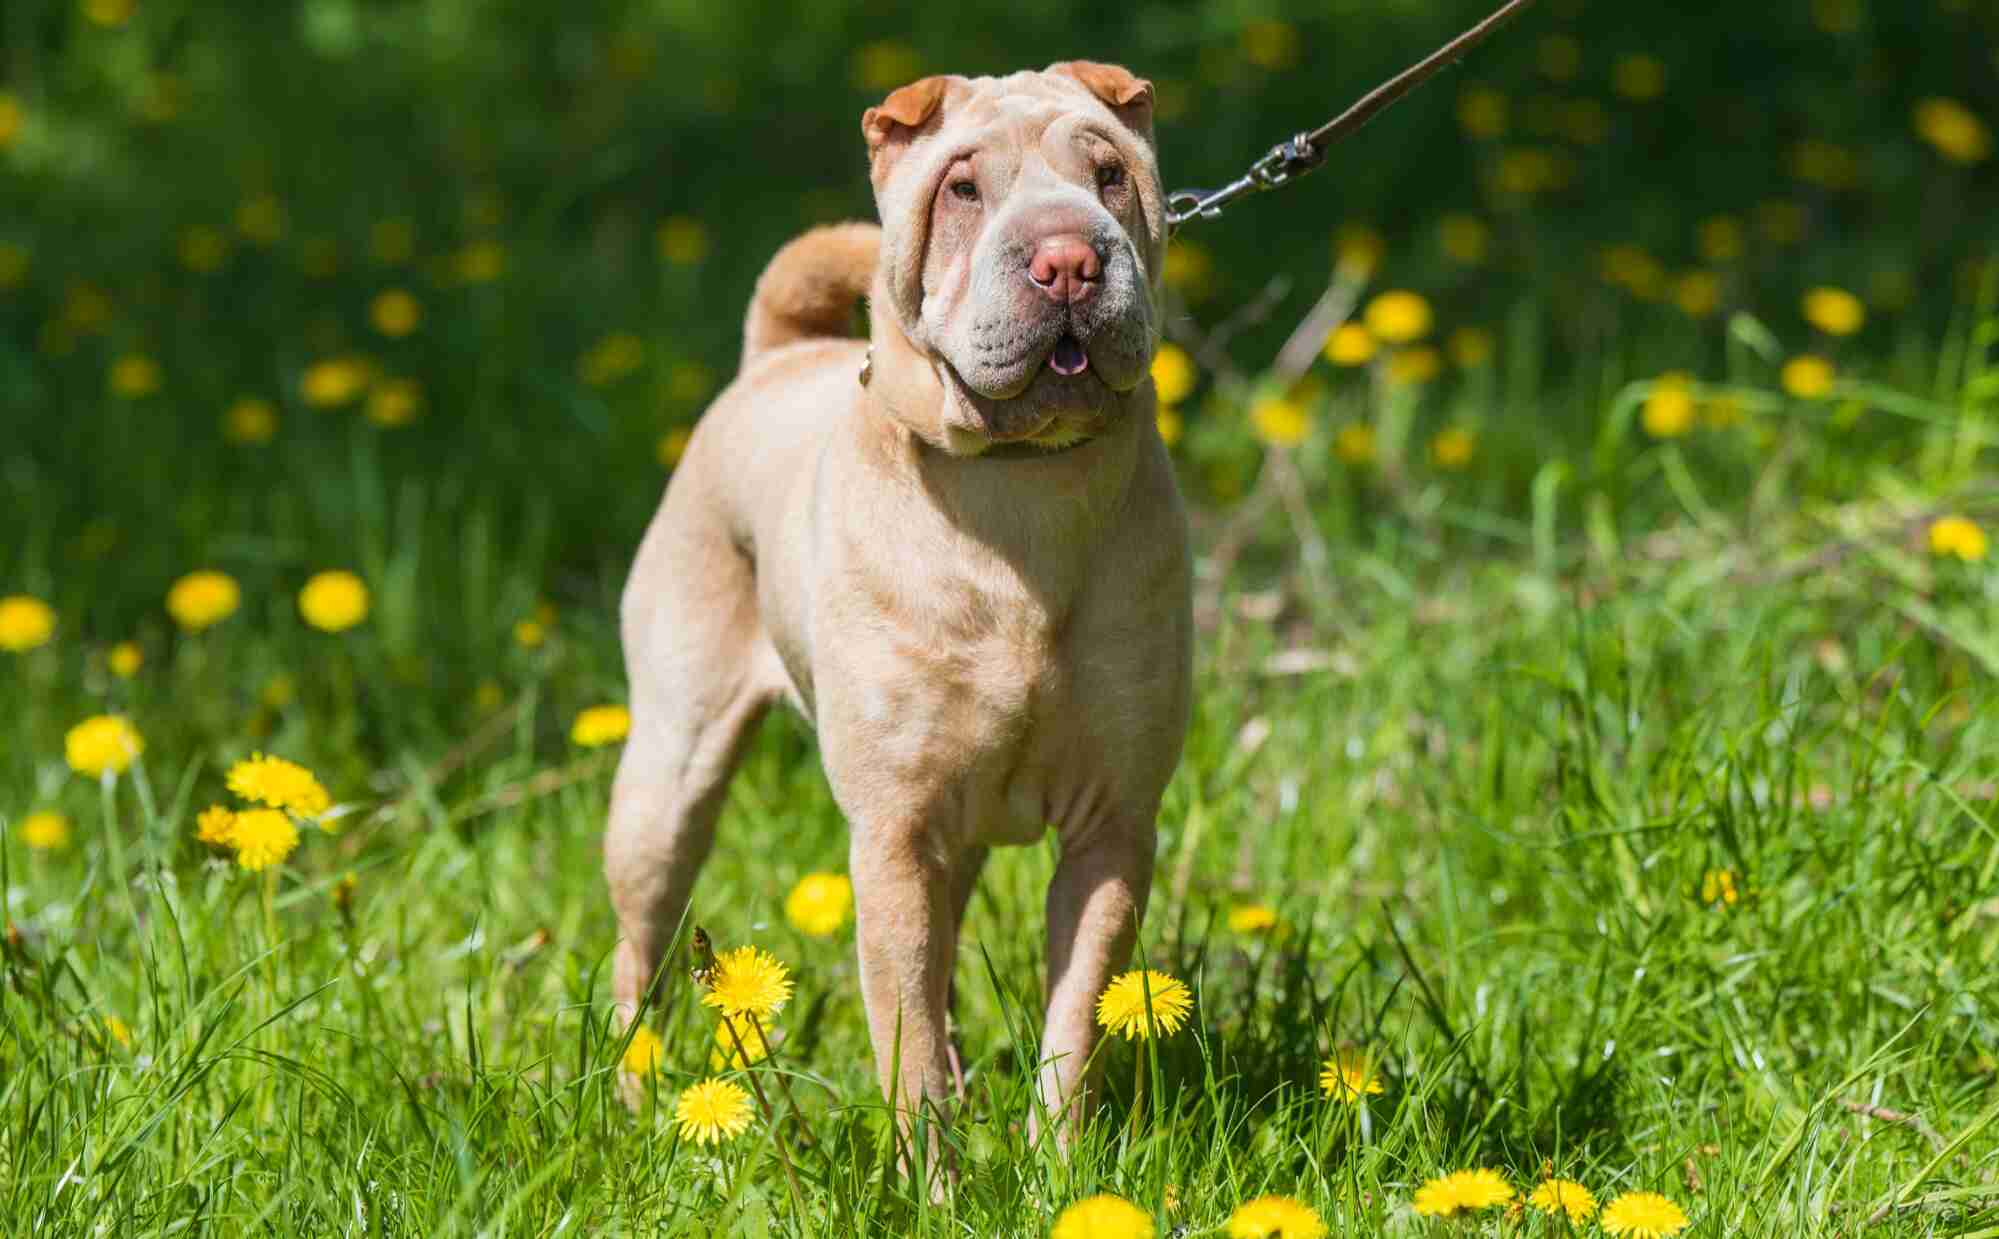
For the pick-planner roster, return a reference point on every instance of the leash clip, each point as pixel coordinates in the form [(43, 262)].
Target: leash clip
[(1280, 165)]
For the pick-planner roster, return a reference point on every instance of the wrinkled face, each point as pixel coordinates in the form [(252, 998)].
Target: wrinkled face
[(1023, 231)]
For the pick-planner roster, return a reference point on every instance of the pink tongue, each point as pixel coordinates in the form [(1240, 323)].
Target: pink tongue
[(1069, 357)]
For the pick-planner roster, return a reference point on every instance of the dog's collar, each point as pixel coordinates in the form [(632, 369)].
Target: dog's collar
[(1025, 449)]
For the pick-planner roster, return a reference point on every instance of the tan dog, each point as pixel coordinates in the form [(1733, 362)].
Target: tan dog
[(957, 549)]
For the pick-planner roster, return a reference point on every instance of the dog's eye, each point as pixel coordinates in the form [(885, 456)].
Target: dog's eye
[(1110, 175), (965, 190)]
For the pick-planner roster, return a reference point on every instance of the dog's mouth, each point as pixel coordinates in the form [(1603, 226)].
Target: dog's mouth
[(1068, 357)]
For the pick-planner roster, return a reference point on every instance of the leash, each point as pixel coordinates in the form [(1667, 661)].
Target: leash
[(1299, 154)]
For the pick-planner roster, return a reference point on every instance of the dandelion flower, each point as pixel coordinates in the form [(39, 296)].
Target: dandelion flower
[(1252, 918), (1482, 112), (1171, 424), (1954, 130), (611, 359), (1722, 239), (645, 1055), (392, 241), (1357, 251), (1413, 367), (203, 599), (1808, 377), (125, 659), (1351, 344), (333, 601), (336, 381), (134, 376), (1354, 443), (1564, 1196), (261, 219), (216, 825), (280, 784), (820, 904), (1453, 448), (1462, 1191), (1471, 347), (395, 313), (673, 445), (395, 402), (529, 633), (1465, 238), (1133, 1005), (45, 831), (262, 838), (712, 1111), (103, 743), (1348, 1076), (1280, 422), (1639, 78), (481, 262), (1103, 1217), (1697, 293), (1275, 1217), (1834, 311), (735, 1038), (748, 981), (1642, 1215), (119, 1030), (203, 249), (25, 622), (1669, 409), (250, 421), (1957, 535), (1399, 317), (1173, 376), (600, 725), (683, 240)]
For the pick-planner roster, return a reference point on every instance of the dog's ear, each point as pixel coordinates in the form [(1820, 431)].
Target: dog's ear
[(1125, 93), (890, 126)]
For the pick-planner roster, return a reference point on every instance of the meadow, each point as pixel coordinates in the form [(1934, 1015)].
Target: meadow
[(1594, 762)]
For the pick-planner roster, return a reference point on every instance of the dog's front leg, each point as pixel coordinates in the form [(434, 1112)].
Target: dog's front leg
[(905, 919), (1095, 903)]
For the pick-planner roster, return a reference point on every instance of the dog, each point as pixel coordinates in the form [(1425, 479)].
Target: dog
[(957, 548)]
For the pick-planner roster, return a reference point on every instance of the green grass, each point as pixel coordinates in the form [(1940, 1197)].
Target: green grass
[(1485, 819)]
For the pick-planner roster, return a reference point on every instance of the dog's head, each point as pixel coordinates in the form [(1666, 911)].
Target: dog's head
[(1023, 232)]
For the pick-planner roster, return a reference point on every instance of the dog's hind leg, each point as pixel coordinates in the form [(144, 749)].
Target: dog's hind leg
[(701, 675)]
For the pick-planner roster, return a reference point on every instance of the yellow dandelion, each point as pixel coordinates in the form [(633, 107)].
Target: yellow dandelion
[(125, 659), (14, 261), (120, 1031), (1275, 1217), (203, 599), (280, 784), (712, 1111), (12, 117), (1140, 1002), (25, 622), (1721, 239), (333, 601), (1723, 412), (1959, 536), (529, 633), (1351, 344), (1642, 1215), (392, 242), (216, 825), (1669, 409), (1357, 251), (1398, 317), (395, 313), (134, 376), (108, 13), (1808, 377), (1634, 270), (1354, 443), (1252, 918), (611, 359), (1103, 1217), (1270, 44), (600, 725), (673, 446), (106, 742), (250, 421), (689, 381), (278, 691), (481, 262), (1718, 887), (735, 1038), (1697, 293), (1564, 1196), (1462, 1191), (395, 402), (262, 838), (1413, 367), (1640, 79), (261, 219), (748, 981), (683, 240), (1173, 374), (820, 904), (1471, 348), (1465, 238), (1453, 448), (1954, 130), (1834, 311), (202, 249), (334, 382), (44, 831), (1171, 425), (1189, 270), (645, 1055), (1482, 112), (1349, 1076), (1280, 422)]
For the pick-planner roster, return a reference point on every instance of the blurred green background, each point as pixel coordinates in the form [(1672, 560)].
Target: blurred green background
[(285, 285)]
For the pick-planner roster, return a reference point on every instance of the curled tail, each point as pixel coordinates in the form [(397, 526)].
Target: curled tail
[(808, 291)]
